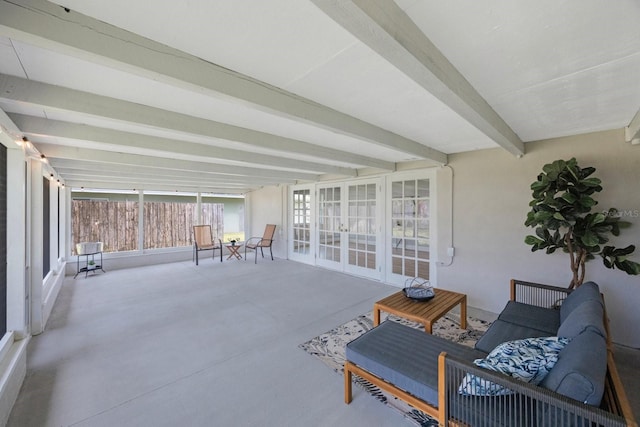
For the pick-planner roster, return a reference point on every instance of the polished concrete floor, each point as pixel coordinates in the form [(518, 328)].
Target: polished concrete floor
[(213, 345)]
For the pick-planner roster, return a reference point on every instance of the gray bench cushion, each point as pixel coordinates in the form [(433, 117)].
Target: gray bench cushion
[(587, 316), (586, 291), (405, 357), (544, 319), (501, 331), (581, 369)]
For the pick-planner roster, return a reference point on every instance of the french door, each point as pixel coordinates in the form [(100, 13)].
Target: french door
[(348, 227), (409, 228), (301, 230)]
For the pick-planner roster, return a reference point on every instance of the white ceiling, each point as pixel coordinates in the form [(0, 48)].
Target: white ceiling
[(228, 95)]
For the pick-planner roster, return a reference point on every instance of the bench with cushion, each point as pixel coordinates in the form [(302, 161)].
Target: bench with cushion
[(439, 377)]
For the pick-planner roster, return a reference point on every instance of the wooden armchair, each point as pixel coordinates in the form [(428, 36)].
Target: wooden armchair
[(203, 241), (261, 242)]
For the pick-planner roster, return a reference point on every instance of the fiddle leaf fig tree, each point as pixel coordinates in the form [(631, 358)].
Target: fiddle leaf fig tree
[(561, 213)]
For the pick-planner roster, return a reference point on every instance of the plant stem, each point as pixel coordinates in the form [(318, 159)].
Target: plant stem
[(572, 257)]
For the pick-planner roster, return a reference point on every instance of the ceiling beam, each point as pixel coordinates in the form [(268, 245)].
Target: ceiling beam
[(632, 132), (59, 98), (155, 180), (65, 167), (130, 142), (47, 25), (153, 187), (119, 171), (387, 29), (75, 153)]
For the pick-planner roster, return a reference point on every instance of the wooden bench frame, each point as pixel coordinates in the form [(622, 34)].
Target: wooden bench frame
[(614, 399)]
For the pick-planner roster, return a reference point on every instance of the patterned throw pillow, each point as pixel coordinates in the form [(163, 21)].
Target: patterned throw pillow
[(528, 360)]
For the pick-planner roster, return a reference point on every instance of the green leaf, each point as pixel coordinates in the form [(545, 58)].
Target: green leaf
[(591, 182), (589, 239), (559, 216), (587, 201), (569, 198), (532, 240)]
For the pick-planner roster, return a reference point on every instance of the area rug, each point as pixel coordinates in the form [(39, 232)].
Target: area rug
[(330, 349)]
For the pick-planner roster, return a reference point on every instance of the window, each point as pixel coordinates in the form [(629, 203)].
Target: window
[(111, 218), (169, 219)]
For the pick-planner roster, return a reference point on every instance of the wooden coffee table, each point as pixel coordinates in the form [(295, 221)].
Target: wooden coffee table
[(425, 312)]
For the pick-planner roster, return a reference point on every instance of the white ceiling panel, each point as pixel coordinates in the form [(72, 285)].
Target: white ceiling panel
[(319, 95)]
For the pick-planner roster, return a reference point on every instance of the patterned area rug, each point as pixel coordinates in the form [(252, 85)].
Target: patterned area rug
[(329, 348)]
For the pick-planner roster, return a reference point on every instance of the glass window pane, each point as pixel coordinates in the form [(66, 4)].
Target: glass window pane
[(423, 188), (410, 267), (371, 191), (410, 189), (396, 263), (409, 208), (423, 269), (353, 192), (396, 190), (396, 208), (423, 208)]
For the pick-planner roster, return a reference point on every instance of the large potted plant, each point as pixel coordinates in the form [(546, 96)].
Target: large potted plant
[(564, 217)]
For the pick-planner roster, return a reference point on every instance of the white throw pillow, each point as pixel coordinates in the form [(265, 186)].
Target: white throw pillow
[(528, 360)]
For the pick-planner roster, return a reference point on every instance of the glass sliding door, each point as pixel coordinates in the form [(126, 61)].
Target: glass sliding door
[(409, 242), (302, 225)]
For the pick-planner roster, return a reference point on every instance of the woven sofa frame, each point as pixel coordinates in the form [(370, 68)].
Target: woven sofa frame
[(535, 405)]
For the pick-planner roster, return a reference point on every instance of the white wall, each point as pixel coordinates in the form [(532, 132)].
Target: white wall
[(268, 206), (491, 195)]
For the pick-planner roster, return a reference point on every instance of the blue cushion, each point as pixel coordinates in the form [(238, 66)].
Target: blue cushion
[(501, 331), (405, 357), (586, 291), (528, 360), (580, 370), (587, 316), (544, 319)]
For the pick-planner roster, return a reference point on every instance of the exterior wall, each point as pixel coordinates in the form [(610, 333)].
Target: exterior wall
[(491, 196), (268, 206)]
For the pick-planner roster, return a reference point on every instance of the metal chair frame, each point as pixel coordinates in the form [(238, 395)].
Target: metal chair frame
[(266, 241), (203, 241)]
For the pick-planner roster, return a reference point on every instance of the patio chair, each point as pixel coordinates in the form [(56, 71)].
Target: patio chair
[(203, 241), (261, 242)]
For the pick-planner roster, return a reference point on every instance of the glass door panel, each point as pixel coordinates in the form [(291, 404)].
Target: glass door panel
[(410, 239), (330, 226), (301, 228), (363, 230)]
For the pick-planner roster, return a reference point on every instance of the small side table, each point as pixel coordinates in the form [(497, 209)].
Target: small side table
[(234, 250), (89, 267)]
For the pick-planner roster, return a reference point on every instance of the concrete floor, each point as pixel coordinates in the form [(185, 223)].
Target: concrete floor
[(213, 345)]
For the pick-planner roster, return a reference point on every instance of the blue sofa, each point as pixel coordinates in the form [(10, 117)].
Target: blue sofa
[(428, 372)]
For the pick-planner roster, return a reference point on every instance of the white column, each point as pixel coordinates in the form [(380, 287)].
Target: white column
[(17, 272), (36, 267)]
